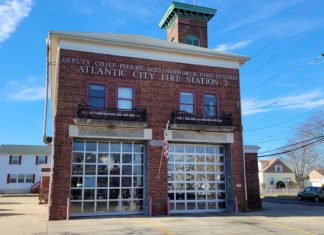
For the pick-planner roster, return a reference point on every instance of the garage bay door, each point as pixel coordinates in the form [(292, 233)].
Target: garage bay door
[(107, 178), (196, 178)]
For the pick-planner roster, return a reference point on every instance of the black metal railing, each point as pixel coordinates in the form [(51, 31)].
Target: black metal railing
[(182, 117), (89, 112)]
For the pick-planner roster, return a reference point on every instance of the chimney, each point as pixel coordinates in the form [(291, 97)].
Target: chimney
[(187, 23)]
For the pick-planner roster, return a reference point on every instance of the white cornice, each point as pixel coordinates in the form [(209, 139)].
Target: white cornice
[(99, 43)]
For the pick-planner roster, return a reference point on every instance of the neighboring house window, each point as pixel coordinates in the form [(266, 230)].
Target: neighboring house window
[(41, 160), (271, 181), (20, 178), (15, 160), (12, 178), (278, 168), (210, 105), (187, 102), (97, 96), (30, 178), (125, 98), (192, 40)]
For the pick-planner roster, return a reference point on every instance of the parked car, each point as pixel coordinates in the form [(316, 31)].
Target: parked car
[(311, 193)]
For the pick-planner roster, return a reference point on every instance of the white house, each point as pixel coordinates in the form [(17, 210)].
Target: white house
[(316, 177), (274, 173), (20, 166)]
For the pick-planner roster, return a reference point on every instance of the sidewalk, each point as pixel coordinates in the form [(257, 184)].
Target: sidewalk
[(23, 215)]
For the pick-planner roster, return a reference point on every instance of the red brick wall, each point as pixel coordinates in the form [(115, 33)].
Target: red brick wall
[(159, 98), (252, 178), (44, 189), (183, 26)]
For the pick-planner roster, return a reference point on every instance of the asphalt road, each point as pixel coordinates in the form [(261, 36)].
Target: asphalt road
[(288, 201)]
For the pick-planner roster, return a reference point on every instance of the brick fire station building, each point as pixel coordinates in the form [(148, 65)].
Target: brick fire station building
[(111, 98)]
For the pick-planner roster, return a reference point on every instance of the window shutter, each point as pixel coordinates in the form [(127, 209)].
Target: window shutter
[(33, 178), (36, 160), (20, 160), (10, 159), (46, 159), (8, 178)]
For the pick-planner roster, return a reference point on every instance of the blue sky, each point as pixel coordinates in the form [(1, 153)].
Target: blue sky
[(281, 85)]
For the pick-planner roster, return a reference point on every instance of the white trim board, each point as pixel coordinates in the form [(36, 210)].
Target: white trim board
[(148, 53)]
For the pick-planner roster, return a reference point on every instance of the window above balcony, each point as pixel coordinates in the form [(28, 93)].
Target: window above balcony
[(187, 102), (97, 95), (125, 98)]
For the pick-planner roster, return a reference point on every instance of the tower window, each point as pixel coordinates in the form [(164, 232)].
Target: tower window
[(192, 40)]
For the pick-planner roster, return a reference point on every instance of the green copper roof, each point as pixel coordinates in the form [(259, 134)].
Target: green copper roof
[(186, 10)]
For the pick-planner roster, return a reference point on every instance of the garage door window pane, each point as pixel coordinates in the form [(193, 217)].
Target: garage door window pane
[(102, 182), (91, 146), (78, 146), (78, 158), (76, 182), (90, 158), (88, 207), (103, 147), (76, 194), (103, 158), (90, 182), (101, 206), (76, 207)]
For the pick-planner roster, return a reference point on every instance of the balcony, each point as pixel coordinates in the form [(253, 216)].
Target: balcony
[(110, 116), (185, 120)]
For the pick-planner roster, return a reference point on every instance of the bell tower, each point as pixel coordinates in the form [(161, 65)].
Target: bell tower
[(187, 23)]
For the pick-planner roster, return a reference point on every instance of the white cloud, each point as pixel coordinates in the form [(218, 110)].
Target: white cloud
[(11, 14), (307, 100), (233, 46), (28, 91)]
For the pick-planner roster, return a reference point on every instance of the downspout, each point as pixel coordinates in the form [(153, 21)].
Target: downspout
[(45, 138), (244, 164), (245, 186)]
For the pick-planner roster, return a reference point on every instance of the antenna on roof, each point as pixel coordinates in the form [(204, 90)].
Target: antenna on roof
[(194, 2)]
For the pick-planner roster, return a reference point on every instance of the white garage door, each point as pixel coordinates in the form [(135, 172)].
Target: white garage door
[(107, 178), (196, 178)]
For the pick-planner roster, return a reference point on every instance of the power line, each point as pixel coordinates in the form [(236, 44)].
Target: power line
[(300, 68), (262, 66), (291, 150), (282, 136), (258, 52), (278, 101), (280, 123), (267, 80), (294, 144)]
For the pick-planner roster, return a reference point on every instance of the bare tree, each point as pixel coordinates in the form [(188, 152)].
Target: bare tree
[(305, 159)]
